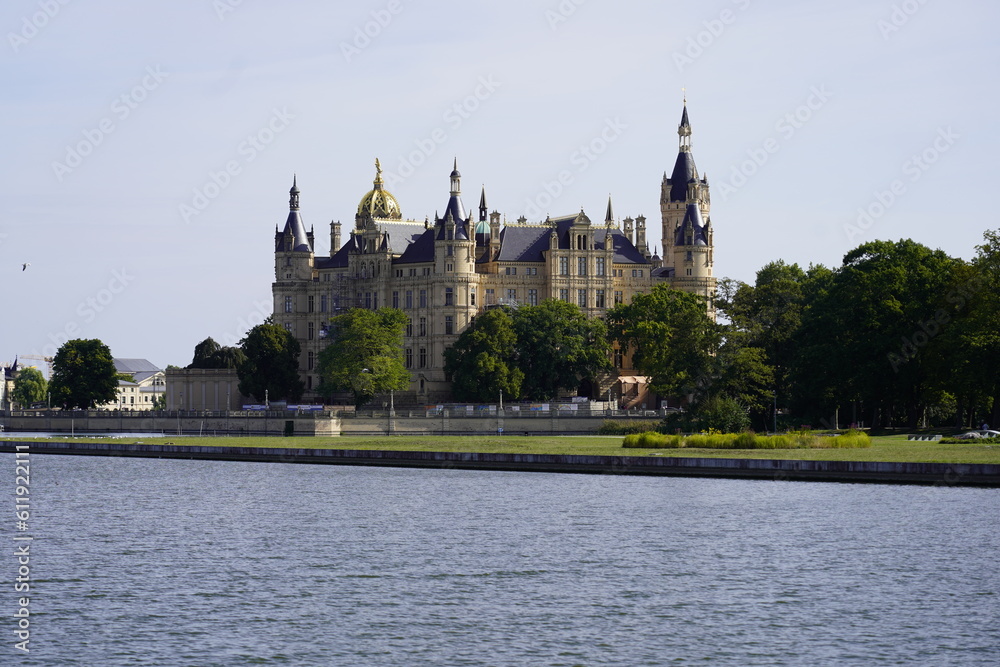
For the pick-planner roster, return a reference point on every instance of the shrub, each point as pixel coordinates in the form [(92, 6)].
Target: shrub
[(622, 427), (850, 440), (652, 440), (722, 413), (709, 441), (631, 441), (746, 440)]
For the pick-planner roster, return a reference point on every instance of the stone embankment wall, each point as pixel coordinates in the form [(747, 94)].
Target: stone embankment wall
[(937, 474), (240, 423)]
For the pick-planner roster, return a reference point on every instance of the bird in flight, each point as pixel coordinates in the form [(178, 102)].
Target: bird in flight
[(24, 267)]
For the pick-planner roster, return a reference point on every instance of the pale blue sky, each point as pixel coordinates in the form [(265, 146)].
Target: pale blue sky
[(115, 255)]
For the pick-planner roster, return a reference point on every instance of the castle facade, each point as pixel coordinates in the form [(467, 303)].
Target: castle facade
[(442, 272)]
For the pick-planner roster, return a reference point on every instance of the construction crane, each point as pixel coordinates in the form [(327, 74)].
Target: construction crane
[(47, 360)]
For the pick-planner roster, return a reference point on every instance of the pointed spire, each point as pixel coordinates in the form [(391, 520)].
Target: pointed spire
[(293, 194), (610, 217), (684, 130), (482, 206), (456, 180)]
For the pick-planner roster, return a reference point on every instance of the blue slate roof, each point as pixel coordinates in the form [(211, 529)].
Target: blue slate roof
[(527, 243), (684, 172), (294, 225), (456, 208), (692, 220), (401, 234), (663, 272), (420, 250)]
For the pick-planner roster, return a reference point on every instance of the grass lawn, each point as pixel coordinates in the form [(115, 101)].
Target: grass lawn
[(884, 448)]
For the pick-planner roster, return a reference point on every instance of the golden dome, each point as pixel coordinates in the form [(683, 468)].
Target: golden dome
[(379, 202)]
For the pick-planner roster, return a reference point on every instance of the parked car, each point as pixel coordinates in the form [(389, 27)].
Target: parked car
[(977, 435)]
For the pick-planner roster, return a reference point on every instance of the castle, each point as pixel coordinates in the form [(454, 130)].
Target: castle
[(441, 273)]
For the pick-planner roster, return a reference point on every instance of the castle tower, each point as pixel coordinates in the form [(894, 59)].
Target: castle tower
[(294, 272), (693, 249), (293, 246), (456, 232), (683, 187)]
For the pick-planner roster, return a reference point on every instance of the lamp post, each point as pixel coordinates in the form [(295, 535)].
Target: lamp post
[(776, 411), (392, 410)]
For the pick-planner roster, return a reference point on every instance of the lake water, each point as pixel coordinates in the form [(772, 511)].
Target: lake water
[(165, 562)]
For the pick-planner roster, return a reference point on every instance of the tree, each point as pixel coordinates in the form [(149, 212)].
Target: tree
[(767, 315), (558, 347), (204, 353), (672, 339), (722, 413), (745, 376), (865, 332), (83, 375), (365, 355), (271, 367), (984, 311), (209, 354), (30, 387), (482, 362), (966, 355)]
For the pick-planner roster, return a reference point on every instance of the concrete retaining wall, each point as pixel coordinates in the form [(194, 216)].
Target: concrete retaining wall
[(325, 424), (941, 474), (209, 423)]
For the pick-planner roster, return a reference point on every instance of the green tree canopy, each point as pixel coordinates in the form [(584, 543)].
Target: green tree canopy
[(558, 347), (30, 387), (83, 375), (767, 315), (271, 366), (209, 354), (365, 354), (482, 362), (965, 357), (672, 339), (865, 331)]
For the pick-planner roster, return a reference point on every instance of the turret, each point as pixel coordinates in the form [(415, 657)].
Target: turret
[(334, 237), (293, 246), (456, 233), (640, 236), (693, 254), (682, 187)]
